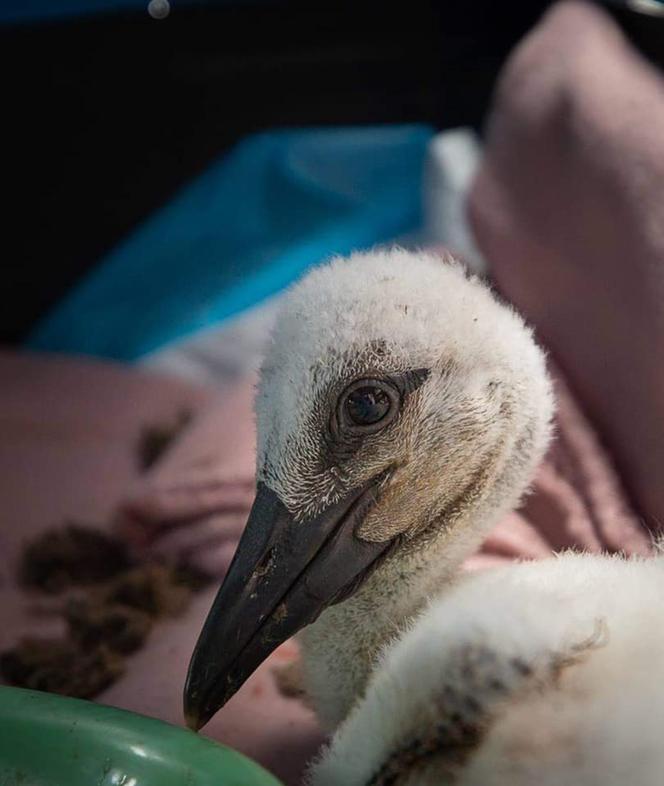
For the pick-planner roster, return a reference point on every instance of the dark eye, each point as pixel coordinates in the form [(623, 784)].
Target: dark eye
[(367, 405)]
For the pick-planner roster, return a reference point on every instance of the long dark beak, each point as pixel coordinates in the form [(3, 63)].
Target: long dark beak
[(284, 573)]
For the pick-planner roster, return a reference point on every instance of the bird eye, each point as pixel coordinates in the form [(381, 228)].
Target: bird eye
[(367, 405)]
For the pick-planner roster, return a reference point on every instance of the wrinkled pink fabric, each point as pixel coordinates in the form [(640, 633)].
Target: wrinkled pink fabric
[(569, 210)]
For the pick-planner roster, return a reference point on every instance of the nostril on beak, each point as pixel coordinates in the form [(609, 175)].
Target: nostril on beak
[(265, 565)]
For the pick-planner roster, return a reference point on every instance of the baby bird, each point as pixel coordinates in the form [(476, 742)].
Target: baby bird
[(402, 410)]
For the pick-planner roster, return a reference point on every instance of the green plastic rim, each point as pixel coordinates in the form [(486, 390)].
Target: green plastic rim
[(48, 740)]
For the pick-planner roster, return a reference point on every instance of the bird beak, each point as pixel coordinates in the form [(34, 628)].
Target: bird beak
[(284, 573)]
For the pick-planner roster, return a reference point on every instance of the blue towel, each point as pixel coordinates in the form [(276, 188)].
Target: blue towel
[(253, 222)]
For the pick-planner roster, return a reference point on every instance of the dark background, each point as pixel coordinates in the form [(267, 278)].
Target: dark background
[(105, 117)]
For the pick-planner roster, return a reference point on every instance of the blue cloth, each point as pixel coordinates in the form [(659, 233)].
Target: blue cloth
[(242, 231)]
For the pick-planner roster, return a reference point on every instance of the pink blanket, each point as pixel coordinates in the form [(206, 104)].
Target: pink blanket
[(569, 210)]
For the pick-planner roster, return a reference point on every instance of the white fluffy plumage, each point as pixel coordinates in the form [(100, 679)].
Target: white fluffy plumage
[(547, 673)]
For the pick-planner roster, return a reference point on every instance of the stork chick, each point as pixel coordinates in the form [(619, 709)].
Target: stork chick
[(401, 411)]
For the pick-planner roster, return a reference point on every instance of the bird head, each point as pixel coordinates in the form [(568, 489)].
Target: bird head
[(397, 397)]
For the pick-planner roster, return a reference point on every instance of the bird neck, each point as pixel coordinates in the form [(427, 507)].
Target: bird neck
[(341, 648)]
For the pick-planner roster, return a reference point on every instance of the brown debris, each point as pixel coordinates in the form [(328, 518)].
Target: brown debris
[(59, 666), (191, 577), (73, 555), (116, 604), (120, 628), (150, 588)]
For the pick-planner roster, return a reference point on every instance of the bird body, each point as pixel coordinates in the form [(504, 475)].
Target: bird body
[(543, 673)]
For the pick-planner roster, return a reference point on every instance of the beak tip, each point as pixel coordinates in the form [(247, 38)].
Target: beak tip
[(201, 703), (194, 721), (194, 710)]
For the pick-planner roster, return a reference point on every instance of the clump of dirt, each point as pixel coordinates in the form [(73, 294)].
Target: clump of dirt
[(73, 555), (119, 628), (195, 579), (155, 439), (116, 605), (60, 666), (117, 602), (152, 588)]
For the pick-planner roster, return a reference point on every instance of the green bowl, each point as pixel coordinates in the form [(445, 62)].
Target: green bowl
[(48, 740)]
